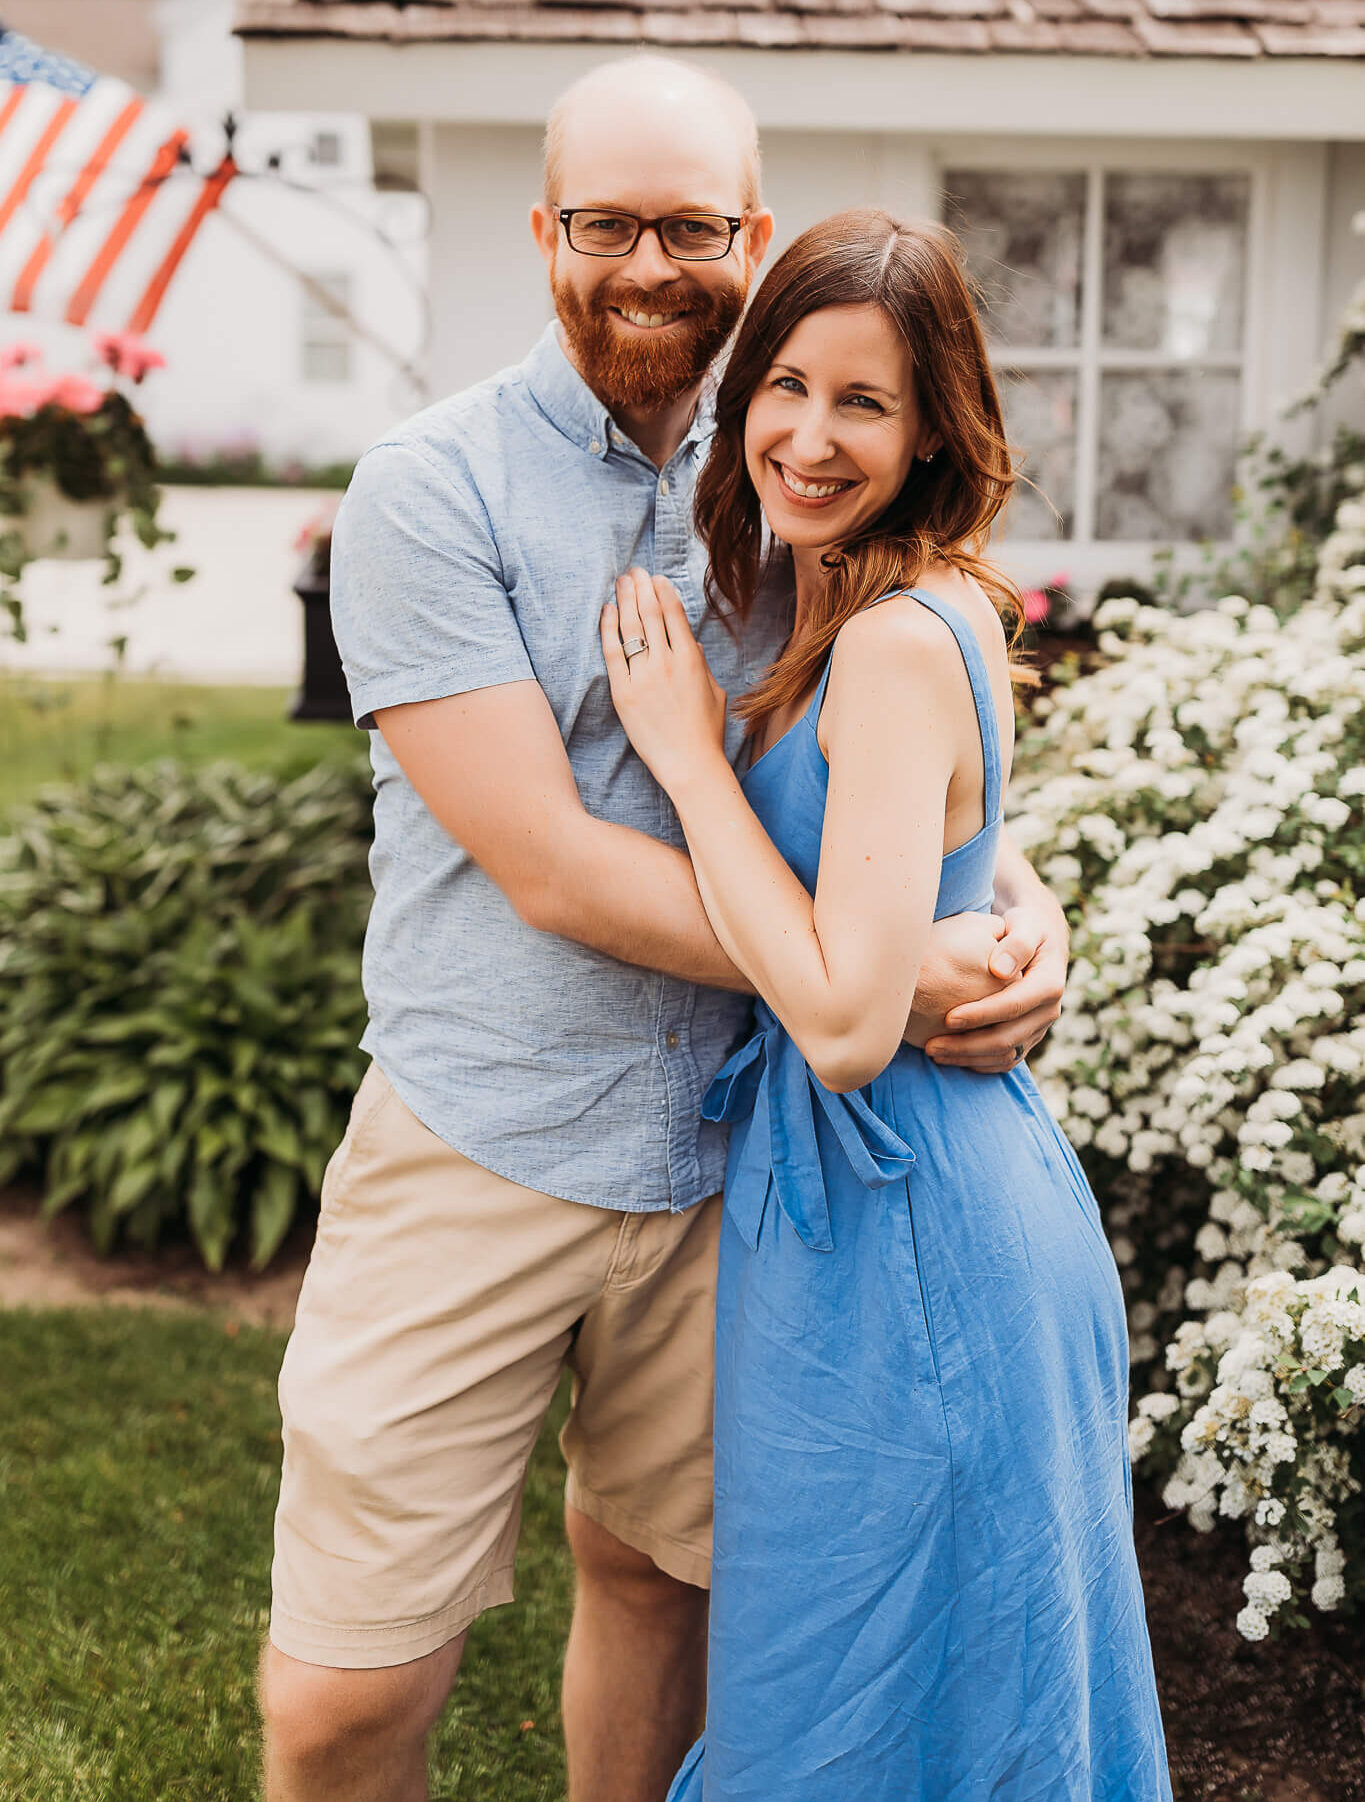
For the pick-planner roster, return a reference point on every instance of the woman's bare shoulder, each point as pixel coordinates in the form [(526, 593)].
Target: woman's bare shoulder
[(897, 644), (902, 620), (963, 591)]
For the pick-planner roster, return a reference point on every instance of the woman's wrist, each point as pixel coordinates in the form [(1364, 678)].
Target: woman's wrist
[(701, 776)]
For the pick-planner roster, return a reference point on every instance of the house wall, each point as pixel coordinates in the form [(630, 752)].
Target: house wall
[(1343, 275), (483, 178), (489, 294)]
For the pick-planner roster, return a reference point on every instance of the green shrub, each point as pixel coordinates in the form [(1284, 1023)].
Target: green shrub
[(180, 999)]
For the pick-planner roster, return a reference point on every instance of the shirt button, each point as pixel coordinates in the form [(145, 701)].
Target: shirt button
[(672, 1041), (595, 447), (663, 484)]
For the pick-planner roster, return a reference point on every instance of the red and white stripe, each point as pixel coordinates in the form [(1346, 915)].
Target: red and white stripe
[(96, 209)]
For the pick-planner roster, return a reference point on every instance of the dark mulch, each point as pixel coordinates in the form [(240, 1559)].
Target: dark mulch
[(1059, 656), (1278, 1721)]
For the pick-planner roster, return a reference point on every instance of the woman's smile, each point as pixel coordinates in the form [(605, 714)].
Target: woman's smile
[(802, 490)]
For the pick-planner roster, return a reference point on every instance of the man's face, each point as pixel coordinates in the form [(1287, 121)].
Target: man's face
[(643, 328)]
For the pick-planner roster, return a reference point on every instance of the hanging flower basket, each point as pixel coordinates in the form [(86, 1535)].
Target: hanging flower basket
[(75, 461), (53, 525)]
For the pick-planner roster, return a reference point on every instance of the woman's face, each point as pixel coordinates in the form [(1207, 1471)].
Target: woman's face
[(834, 426)]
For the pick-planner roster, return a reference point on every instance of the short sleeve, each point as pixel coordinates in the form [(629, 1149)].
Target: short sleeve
[(419, 608)]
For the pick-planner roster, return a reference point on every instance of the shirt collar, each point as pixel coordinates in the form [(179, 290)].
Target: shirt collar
[(570, 405)]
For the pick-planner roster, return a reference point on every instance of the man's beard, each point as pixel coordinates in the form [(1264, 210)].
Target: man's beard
[(634, 371)]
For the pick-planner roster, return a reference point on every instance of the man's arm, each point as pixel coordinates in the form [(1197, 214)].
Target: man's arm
[(981, 1001), (491, 768)]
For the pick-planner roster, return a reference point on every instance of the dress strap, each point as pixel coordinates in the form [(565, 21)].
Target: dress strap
[(817, 700), (978, 676)]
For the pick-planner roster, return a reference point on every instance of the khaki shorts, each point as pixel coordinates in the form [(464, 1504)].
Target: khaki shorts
[(438, 1311)]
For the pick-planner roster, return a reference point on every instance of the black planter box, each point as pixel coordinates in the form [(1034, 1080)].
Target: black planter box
[(324, 695)]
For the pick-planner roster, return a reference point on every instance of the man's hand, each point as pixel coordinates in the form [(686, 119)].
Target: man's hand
[(995, 1016)]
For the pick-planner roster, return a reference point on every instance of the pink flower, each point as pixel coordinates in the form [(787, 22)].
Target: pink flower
[(77, 393), (127, 354), (14, 356), (1036, 605), (20, 398), (319, 526)]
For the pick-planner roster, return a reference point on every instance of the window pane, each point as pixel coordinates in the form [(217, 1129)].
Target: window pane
[(315, 314), (1022, 234), (1175, 263), (1040, 418), (326, 362), (1168, 451)]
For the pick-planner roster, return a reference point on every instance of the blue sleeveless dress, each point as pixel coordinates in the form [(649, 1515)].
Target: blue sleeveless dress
[(925, 1588)]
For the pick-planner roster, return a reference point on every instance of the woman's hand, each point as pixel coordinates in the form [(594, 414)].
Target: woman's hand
[(670, 704)]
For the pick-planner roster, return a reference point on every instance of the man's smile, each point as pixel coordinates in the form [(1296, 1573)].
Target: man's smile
[(648, 322)]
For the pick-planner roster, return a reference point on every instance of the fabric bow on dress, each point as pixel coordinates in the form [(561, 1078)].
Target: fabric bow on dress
[(769, 1079)]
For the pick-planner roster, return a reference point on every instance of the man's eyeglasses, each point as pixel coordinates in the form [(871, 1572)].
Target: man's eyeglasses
[(687, 237)]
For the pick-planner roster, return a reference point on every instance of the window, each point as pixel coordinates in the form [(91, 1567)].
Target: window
[(325, 150), (326, 336), (1114, 304)]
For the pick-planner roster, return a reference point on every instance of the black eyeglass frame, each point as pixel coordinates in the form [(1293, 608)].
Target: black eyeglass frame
[(565, 214)]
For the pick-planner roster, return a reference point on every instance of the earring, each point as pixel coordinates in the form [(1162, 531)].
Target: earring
[(929, 458)]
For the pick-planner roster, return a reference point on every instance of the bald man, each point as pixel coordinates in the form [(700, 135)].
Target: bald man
[(526, 1182)]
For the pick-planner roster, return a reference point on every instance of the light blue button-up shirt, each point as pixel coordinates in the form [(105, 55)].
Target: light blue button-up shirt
[(476, 545)]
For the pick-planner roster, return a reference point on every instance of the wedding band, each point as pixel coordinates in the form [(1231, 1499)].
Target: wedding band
[(633, 646)]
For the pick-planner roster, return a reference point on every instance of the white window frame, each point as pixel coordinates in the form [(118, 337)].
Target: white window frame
[(322, 330), (1282, 302)]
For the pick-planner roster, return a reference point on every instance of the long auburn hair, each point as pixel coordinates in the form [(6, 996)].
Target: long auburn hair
[(945, 508)]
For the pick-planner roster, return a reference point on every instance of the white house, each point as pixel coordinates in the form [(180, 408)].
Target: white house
[(1156, 193), (254, 358)]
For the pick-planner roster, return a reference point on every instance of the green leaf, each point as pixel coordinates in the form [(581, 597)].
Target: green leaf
[(129, 1085), (131, 1185), (47, 1111), (272, 1213), (209, 1206)]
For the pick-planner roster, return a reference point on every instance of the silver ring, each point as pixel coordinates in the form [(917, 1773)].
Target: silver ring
[(633, 646)]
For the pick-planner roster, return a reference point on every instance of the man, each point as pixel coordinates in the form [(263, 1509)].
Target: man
[(526, 1180)]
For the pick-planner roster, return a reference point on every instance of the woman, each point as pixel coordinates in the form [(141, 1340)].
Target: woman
[(925, 1588)]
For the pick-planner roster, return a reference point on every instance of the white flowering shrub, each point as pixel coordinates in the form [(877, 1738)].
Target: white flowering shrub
[(1208, 838)]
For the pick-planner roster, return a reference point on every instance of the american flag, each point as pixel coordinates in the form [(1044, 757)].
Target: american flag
[(98, 200)]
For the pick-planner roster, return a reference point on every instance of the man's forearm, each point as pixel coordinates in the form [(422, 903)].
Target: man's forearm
[(623, 893), (1017, 883)]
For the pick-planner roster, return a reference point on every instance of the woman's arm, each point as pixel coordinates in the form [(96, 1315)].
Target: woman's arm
[(839, 971)]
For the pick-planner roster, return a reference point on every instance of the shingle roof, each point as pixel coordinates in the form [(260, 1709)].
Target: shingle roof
[(1196, 28)]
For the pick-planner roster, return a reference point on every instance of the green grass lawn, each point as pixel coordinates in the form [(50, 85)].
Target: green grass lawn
[(54, 729), (139, 1459)]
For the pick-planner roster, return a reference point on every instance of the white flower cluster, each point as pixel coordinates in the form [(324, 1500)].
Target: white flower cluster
[(1199, 805), (1272, 1441)]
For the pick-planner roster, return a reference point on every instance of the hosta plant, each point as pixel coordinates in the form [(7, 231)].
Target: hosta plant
[(179, 997)]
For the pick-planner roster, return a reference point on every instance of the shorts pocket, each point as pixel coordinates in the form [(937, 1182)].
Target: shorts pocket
[(371, 1099)]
